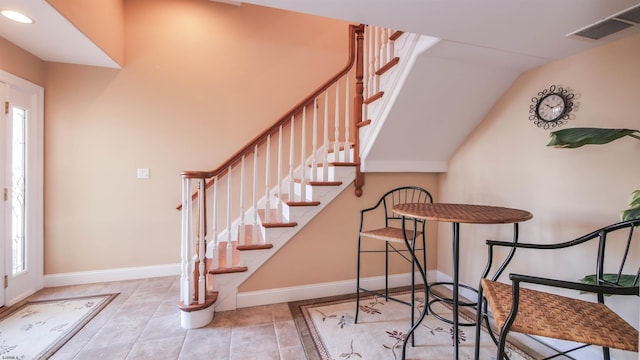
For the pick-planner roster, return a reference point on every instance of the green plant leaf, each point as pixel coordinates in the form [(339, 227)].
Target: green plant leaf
[(577, 137), (629, 214), (633, 212), (635, 199), (625, 280)]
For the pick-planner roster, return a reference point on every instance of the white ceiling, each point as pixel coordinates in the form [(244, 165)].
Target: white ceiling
[(484, 46), (535, 28), (51, 37)]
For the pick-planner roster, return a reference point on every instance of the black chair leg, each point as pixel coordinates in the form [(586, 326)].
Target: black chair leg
[(479, 317), (358, 284), (386, 271)]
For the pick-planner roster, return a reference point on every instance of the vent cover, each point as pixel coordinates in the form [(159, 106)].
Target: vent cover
[(602, 29), (632, 15), (610, 25)]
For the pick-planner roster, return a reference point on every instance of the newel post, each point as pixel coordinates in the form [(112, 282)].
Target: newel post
[(357, 106)]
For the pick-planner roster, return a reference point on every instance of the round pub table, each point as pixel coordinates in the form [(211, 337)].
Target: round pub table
[(457, 214)]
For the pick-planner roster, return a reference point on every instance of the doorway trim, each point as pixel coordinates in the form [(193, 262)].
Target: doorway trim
[(33, 280)]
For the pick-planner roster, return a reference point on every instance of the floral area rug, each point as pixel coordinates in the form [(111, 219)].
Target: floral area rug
[(328, 331), (36, 330)]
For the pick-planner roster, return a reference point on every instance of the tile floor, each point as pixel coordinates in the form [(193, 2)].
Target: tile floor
[(143, 322)]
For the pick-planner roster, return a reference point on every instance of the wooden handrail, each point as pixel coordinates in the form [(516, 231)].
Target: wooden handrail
[(298, 108)]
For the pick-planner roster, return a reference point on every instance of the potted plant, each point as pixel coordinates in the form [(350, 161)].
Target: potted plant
[(577, 137)]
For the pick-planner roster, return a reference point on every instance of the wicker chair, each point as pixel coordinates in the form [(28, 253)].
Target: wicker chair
[(545, 314), (391, 234)]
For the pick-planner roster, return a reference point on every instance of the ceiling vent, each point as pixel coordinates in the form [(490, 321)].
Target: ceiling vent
[(610, 25)]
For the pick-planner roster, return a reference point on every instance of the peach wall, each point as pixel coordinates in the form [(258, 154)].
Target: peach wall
[(21, 63), (326, 249), (569, 191), (201, 79), (102, 21)]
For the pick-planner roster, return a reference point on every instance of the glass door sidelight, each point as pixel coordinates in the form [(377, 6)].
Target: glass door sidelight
[(22, 198)]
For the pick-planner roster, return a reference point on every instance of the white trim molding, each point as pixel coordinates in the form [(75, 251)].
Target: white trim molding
[(130, 273), (312, 291)]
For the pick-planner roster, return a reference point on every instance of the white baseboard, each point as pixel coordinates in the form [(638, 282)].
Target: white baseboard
[(132, 273), (296, 293)]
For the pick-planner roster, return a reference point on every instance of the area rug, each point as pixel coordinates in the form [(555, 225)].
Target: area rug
[(327, 330), (37, 329)]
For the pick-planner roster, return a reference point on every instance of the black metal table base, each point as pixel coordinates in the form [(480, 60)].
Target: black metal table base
[(449, 301)]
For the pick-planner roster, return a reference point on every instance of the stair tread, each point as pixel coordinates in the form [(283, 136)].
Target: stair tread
[(319, 183), (363, 123), (285, 199), (230, 270), (396, 34), (388, 66), (374, 97), (344, 163), (210, 298)]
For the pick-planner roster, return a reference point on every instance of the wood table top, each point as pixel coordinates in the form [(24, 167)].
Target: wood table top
[(463, 213)]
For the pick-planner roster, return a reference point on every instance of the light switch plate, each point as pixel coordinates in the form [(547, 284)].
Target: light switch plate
[(143, 173)]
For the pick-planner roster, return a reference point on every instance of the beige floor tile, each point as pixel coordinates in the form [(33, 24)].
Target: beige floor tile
[(165, 348), (163, 327), (293, 353), (253, 339), (143, 322), (256, 315), (287, 334)]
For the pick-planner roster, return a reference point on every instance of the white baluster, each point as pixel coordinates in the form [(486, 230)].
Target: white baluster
[(185, 266), (201, 240), (267, 190), (291, 161), (384, 44), (279, 190), (371, 58), (214, 239), (391, 49), (241, 234), (376, 62), (336, 131), (314, 142), (303, 156), (325, 153), (347, 123), (229, 248), (254, 227)]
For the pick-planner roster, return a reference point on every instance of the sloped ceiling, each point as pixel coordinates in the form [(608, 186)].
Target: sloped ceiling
[(484, 46), (51, 37)]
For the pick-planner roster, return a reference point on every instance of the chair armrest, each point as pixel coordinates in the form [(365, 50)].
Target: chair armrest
[(599, 289), (532, 245)]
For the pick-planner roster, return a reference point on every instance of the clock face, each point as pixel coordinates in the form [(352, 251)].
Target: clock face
[(551, 107)]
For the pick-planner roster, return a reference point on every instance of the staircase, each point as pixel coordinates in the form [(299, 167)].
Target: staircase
[(235, 217)]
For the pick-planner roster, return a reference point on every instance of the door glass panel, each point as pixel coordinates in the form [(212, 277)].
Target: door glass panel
[(18, 151)]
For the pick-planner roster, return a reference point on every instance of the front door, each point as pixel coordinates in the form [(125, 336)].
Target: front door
[(21, 162)]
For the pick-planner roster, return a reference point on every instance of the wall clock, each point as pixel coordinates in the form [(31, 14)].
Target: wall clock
[(551, 107)]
